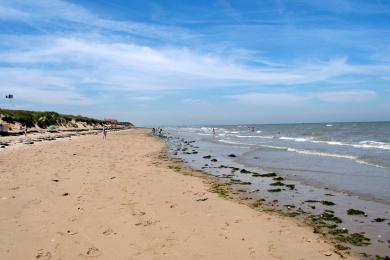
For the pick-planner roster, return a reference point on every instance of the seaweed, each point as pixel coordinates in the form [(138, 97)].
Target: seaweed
[(270, 174), (338, 231), (237, 181), (219, 189), (292, 214), (378, 257), (274, 190), (379, 219), (342, 247), (278, 183), (356, 239), (327, 215), (290, 186), (206, 157), (257, 203), (356, 212), (327, 203), (278, 178), (234, 169)]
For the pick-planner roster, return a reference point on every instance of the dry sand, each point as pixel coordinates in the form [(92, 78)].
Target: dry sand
[(116, 199)]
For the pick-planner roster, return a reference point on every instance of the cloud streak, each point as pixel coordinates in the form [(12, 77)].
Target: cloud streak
[(288, 100), (106, 66), (65, 54)]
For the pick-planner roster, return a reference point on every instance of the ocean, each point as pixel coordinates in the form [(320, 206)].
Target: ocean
[(345, 163)]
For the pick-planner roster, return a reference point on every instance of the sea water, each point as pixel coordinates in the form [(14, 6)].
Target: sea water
[(350, 161)]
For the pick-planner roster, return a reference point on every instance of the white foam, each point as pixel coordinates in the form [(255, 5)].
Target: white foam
[(344, 156), (255, 136), (298, 139), (373, 144), (232, 142), (363, 144), (322, 154), (371, 164)]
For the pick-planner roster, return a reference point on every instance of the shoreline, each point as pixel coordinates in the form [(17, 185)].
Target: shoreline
[(349, 222), (124, 197)]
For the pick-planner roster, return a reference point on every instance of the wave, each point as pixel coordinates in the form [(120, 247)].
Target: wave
[(308, 152), (232, 142), (373, 144), (297, 139), (255, 136), (302, 151), (363, 144), (316, 153), (322, 154), (371, 164)]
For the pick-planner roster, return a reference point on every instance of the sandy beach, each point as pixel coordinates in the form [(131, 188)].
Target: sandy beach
[(120, 199)]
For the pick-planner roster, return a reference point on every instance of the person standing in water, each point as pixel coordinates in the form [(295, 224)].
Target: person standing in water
[(213, 131)]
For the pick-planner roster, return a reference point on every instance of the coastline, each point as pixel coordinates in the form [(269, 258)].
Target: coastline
[(125, 197)]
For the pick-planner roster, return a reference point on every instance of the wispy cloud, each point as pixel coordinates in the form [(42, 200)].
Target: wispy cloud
[(347, 96), (137, 67), (269, 99), (288, 99), (67, 54), (65, 15), (145, 98)]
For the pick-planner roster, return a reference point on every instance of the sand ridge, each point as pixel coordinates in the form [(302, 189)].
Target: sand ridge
[(116, 199)]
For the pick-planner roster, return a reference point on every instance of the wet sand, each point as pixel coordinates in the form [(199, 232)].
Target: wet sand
[(120, 199)]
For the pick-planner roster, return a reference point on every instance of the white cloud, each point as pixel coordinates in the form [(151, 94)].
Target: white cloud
[(63, 14), (145, 98), (133, 67), (287, 99), (346, 96), (65, 67), (269, 99)]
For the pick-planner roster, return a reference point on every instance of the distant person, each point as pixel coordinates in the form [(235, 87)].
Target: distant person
[(154, 131), (25, 130), (104, 133), (213, 131), (160, 132)]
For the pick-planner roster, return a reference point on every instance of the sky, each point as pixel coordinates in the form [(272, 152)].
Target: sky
[(167, 62)]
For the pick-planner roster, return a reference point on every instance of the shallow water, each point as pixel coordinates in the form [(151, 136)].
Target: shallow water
[(348, 160)]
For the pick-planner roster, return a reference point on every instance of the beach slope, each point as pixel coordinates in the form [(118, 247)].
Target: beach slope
[(117, 199)]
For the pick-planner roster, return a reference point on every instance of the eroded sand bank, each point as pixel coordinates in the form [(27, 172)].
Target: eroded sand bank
[(116, 199)]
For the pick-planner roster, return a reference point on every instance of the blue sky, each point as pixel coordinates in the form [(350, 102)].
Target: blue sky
[(198, 62)]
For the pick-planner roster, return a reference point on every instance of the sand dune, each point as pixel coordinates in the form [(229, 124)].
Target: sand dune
[(117, 199)]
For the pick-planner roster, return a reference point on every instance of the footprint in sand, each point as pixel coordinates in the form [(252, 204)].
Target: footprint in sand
[(43, 255), (108, 232), (93, 252), (147, 223)]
